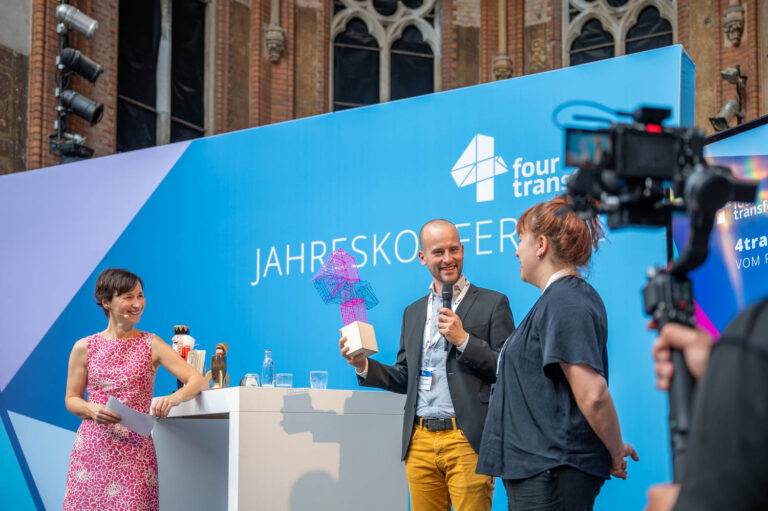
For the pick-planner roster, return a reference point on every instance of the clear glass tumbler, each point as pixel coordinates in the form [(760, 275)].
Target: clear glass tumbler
[(251, 380), (318, 379), (284, 380)]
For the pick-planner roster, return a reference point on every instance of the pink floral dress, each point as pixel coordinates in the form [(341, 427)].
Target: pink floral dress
[(111, 467)]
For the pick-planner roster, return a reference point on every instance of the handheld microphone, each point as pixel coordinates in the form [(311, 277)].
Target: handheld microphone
[(447, 294), (447, 297)]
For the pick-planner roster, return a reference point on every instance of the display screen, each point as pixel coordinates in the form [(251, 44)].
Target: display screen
[(649, 155), (588, 149)]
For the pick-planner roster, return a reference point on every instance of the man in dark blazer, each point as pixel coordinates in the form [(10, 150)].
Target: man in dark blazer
[(445, 365)]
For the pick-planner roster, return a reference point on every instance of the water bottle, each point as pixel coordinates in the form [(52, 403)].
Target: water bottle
[(268, 370)]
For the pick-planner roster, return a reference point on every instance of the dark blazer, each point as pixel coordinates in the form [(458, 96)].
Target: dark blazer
[(486, 316)]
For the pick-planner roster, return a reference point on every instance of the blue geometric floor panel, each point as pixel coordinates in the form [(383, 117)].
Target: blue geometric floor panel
[(47, 450), (13, 488)]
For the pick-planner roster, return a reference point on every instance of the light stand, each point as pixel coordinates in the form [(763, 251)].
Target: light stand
[(68, 145)]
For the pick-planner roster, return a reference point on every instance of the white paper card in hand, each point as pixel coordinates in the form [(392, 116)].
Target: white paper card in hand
[(141, 423)]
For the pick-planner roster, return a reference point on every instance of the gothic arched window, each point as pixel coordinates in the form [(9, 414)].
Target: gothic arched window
[(651, 31), (412, 69), (598, 29), (164, 72), (383, 50), (356, 73), (593, 44)]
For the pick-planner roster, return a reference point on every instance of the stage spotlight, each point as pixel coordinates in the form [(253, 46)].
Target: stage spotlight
[(82, 106), (80, 64), (723, 118), (70, 147), (74, 18), (731, 75)]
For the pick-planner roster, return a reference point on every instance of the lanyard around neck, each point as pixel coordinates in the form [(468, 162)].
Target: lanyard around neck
[(430, 343), (555, 276)]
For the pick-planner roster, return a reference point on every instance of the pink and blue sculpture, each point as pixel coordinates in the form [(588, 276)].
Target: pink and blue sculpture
[(338, 281)]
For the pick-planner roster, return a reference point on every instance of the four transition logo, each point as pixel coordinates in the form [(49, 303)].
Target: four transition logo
[(478, 165)]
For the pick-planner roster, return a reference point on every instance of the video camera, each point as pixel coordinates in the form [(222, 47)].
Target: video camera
[(640, 173), (633, 171)]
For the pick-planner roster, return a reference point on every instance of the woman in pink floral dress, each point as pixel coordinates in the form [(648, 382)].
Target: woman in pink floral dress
[(112, 467)]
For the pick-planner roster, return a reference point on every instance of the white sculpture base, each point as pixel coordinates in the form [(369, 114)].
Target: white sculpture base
[(360, 339)]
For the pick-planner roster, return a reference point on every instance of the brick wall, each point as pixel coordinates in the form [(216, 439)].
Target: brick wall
[(272, 83), (462, 44), (13, 110), (261, 71), (238, 71), (323, 73), (312, 44), (221, 66), (746, 55), (42, 103), (539, 36), (250, 90), (697, 31), (489, 39), (283, 70)]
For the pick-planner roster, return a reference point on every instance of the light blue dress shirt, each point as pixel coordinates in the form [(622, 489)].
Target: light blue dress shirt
[(436, 402)]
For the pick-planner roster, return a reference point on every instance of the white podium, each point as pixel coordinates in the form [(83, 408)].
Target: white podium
[(251, 448)]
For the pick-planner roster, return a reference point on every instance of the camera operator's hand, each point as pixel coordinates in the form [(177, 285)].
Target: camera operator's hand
[(695, 344), (662, 497)]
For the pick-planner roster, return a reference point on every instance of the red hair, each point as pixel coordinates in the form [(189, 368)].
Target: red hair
[(571, 238)]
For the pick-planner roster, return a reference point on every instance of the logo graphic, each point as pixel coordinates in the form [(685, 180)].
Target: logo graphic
[(478, 165)]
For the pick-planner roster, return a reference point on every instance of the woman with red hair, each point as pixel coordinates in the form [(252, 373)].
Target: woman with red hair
[(552, 433)]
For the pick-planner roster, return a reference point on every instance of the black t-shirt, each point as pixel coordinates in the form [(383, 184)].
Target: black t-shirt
[(533, 422), (727, 460)]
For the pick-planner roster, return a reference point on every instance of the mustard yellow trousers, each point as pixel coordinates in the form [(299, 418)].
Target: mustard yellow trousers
[(440, 467)]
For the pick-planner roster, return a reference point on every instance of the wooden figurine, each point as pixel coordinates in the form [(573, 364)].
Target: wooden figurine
[(218, 374)]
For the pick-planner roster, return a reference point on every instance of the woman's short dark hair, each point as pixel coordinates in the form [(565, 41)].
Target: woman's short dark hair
[(113, 282), (572, 239)]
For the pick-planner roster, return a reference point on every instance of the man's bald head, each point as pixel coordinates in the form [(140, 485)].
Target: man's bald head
[(441, 251), (436, 223)]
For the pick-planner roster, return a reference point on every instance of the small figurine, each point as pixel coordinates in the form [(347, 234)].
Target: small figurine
[(218, 373), (182, 344)]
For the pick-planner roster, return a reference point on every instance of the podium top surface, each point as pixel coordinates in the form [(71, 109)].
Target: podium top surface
[(219, 403)]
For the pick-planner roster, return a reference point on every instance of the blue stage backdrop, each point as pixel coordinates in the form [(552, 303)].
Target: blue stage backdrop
[(228, 231)]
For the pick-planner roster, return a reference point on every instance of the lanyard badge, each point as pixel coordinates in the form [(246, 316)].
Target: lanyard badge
[(426, 377)]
